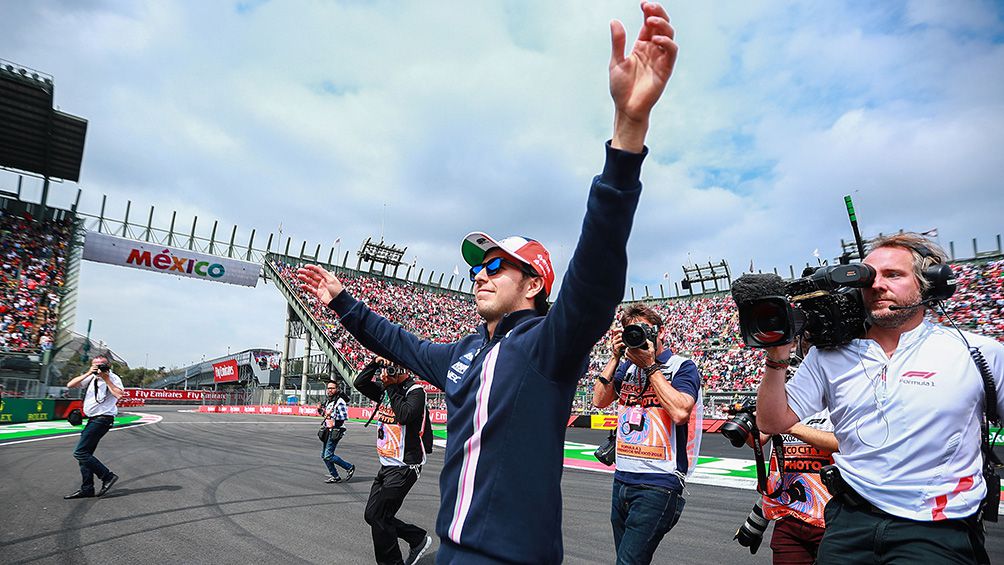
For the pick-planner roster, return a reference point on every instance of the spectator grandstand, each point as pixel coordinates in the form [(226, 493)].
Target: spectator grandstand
[(439, 316), (34, 258), (705, 328)]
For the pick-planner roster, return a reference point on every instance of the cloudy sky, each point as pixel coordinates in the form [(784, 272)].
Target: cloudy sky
[(422, 121)]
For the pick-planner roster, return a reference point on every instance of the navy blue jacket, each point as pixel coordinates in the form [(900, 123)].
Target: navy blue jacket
[(509, 397)]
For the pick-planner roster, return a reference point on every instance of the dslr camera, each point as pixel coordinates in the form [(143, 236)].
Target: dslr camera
[(104, 367), (750, 534), (637, 336), (825, 304), (741, 424), (392, 370)]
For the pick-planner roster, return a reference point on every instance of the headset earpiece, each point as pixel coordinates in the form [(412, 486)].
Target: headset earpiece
[(942, 281), (939, 276)]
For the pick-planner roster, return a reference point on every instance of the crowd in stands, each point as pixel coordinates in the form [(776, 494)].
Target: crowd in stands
[(704, 328), (978, 303), (33, 258), (438, 316)]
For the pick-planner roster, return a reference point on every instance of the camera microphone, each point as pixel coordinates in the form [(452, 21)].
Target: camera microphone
[(751, 287), (894, 307)]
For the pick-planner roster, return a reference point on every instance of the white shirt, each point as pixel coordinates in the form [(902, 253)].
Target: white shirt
[(104, 403), (908, 427)]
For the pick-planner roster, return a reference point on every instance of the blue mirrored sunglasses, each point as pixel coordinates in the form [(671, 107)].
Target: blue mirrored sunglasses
[(494, 265)]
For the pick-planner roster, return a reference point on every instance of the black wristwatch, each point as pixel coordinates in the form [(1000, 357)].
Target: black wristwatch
[(602, 380)]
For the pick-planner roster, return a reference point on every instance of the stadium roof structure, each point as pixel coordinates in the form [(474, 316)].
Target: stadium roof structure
[(34, 136)]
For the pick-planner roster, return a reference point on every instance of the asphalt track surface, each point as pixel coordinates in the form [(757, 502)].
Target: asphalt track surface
[(236, 488)]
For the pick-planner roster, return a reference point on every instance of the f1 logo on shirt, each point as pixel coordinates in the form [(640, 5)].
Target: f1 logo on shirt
[(919, 378)]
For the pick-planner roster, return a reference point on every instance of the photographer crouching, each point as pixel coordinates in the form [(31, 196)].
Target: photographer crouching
[(404, 436), (658, 432), (909, 404), (102, 391)]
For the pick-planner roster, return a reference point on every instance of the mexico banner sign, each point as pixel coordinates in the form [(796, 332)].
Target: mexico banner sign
[(104, 248)]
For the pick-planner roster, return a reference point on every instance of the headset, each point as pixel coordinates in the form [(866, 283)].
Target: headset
[(939, 276)]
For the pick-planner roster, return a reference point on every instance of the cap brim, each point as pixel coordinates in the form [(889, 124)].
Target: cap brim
[(476, 245)]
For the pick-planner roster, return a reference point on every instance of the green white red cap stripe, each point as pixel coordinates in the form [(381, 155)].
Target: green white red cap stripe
[(525, 250)]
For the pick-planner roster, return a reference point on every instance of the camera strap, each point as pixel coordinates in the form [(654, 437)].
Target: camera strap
[(762, 469), (376, 408)]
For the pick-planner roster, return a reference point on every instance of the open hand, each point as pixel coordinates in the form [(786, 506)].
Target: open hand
[(638, 80), (320, 283)]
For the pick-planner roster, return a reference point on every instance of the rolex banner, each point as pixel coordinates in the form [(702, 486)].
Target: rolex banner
[(104, 248)]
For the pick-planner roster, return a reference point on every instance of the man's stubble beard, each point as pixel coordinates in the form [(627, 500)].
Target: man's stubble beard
[(494, 311), (891, 319)]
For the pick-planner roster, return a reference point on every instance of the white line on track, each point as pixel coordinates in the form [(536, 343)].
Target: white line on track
[(146, 421), (217, 423)]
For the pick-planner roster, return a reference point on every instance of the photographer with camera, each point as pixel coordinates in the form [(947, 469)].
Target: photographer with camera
[(102, 391), (907, 401), (659, 426), (793, 495), (404, 437), (335, 412), (509, 387), (796, 498)]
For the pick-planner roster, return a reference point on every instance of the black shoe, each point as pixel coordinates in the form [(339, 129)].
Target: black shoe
[(349, 473), (418, 550), (105, 485), (79, 494)]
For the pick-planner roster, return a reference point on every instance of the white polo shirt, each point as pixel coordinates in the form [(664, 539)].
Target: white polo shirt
[(103, 403), (908, 427)]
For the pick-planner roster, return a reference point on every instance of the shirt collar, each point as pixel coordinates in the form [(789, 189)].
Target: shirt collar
[(508, 322)]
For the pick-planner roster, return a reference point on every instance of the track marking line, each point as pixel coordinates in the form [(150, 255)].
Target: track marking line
[(145, 420)]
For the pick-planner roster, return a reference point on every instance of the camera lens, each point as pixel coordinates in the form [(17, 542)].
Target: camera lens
[(635, 336), (750, 534), (738, 429)]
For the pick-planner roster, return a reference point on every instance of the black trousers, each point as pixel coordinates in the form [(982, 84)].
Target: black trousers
[(855, 535), (95, 429), (390, 487)]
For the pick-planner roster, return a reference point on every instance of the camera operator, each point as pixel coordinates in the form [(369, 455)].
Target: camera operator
[(404, 436), (509, 388), (335, 413), (658, 432), (907, 402), (102, 391)]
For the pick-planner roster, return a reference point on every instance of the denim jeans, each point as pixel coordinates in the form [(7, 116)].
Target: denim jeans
[(95, 429), (641, 515), (329, 457)]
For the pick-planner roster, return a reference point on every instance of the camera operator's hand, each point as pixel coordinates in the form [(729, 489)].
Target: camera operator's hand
[(616, 343), (642, 357), (320, 283), (779, 352), (94, 367)]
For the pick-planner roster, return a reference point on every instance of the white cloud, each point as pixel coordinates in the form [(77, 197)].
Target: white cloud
[(424, 121)]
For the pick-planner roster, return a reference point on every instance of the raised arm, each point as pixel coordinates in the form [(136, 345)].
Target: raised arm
[(595, 280), (79, 379), (376, 333), (638, 80), (774, 415), (367, 385)]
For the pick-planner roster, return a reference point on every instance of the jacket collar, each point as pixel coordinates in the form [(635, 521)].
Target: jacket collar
[(507, 323)]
